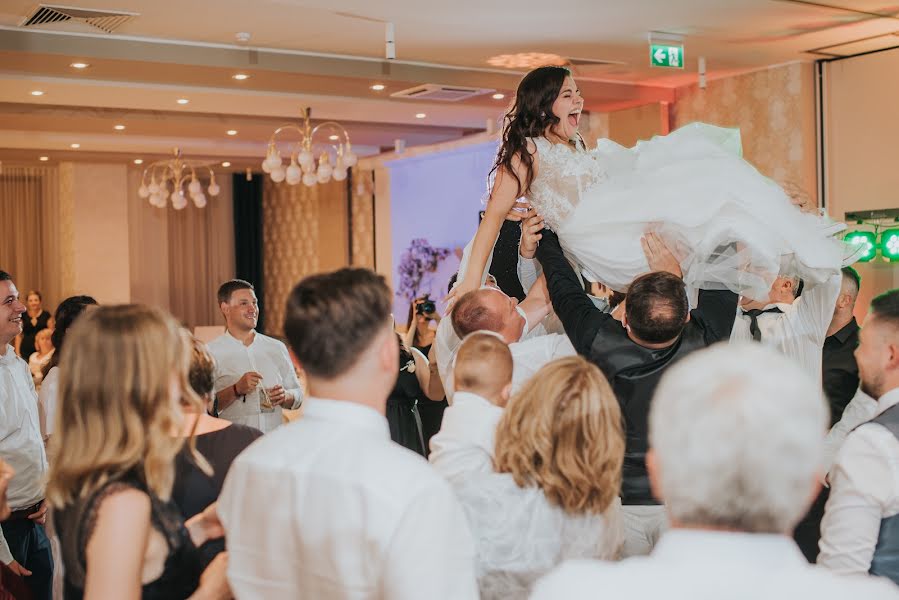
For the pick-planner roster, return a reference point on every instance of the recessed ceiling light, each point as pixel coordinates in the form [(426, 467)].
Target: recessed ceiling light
[(183, 100), (226, 164), (79, 65), (240, 76), (420, 116), (75, 146), (37, 93), (498, 96), (119, 127), (44, 158), (138, 161), (378, 87), (333, 138), (231, 132)]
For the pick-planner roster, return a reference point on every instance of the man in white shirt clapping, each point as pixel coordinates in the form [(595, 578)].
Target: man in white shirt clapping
[(328, 506), (254, 376), (860, 529), (735, 457), (483, 383)]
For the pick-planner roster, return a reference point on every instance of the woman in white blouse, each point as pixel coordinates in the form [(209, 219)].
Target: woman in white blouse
[(554, 493)]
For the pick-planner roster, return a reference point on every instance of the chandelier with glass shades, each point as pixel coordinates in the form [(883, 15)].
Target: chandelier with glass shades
[(335, 159), (169, 178)]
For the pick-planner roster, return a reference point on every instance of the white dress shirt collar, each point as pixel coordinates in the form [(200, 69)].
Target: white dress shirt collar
[(473, 399), (346, 413), (888, 400), (230, 336), (10, 356), (699, 545)]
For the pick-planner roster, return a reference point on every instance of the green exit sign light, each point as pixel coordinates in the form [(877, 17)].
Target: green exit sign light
[(666, 55)]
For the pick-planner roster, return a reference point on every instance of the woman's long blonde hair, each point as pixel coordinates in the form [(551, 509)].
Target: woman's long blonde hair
[(123, 376), (563, 433)]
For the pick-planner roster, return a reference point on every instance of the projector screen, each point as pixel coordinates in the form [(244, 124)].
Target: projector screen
[(860, 133)]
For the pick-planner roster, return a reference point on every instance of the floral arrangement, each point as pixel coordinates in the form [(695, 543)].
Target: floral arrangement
[(418, 260)]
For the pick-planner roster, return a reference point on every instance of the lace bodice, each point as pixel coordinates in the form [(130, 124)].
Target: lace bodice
[(563, 175)]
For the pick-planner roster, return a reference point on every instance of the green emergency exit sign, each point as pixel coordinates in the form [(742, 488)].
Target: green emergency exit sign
[(665, 55)]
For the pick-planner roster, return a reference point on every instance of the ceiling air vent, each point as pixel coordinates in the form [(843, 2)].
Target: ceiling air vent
[(104, 20), (444, 93)]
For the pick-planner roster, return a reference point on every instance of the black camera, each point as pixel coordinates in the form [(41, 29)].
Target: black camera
[(426, 307)]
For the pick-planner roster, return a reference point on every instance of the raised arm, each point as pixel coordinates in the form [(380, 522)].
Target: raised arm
[(502, 198), (581, 319)]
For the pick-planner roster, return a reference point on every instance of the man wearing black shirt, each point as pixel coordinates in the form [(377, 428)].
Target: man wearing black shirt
[(840, 371), (658, 329)]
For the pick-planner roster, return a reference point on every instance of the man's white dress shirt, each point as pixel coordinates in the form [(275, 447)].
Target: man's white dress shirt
[(708, 565), (328, 507), (266, 356), (465, 442), (799, 331), (861, 409), (21, 443), (864, 489)]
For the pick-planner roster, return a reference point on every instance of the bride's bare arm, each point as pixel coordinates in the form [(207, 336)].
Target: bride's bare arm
[(502, 199)]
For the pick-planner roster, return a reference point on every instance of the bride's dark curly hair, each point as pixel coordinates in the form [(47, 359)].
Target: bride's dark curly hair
[(529, 116)]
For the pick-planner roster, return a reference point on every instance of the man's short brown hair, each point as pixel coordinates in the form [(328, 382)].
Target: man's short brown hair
[(229, 287), (471, 314), (483, 364), (333, 317)]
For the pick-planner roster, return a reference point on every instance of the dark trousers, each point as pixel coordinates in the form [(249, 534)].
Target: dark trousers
[(30, 547), (808, 532)]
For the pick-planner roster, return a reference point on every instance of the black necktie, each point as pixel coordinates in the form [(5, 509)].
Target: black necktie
[(754, 320)]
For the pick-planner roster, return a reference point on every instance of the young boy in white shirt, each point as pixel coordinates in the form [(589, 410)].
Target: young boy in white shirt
[(483, 382)]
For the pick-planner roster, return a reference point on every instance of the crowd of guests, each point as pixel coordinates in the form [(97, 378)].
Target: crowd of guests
[(664, 443)]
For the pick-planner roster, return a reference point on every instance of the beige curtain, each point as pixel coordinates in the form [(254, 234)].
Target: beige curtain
[(179, 258), (363, 219), (305, 231), (29, 242)]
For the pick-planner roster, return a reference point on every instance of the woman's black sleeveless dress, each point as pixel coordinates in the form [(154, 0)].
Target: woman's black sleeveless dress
[(75, 522), (402, 407)]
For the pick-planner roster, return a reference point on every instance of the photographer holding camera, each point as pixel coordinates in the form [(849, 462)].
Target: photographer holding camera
[(420, 333)]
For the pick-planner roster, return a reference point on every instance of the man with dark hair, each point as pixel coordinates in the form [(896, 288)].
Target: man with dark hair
[(24, 546), (254, 377), (839, 368), (657, 329), (328, 506), (860, 530)]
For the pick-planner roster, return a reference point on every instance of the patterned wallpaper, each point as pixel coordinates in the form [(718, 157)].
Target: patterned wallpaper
[(290, 216), (775, 111), (363, 220)]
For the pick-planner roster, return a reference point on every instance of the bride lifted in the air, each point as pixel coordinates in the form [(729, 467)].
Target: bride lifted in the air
[(729, 226)]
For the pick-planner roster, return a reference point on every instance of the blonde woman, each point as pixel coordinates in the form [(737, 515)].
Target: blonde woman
[(112, 462), (554, 493)]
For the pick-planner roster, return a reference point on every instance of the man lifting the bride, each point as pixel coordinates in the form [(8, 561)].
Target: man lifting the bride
[(702, 247)]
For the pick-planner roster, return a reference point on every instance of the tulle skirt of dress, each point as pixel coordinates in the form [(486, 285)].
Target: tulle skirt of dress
[(730, 226)]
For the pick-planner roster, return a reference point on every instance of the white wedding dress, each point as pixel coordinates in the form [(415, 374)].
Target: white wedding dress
[(520, 536), (730, 226)]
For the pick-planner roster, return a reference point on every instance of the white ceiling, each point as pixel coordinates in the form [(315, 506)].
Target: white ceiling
[(326, 54)]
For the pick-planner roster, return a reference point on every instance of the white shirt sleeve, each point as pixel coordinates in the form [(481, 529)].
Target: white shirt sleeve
[(5, 554), (862, 485), (814, 310), (289, 377), (528, 272), (431, 551)]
